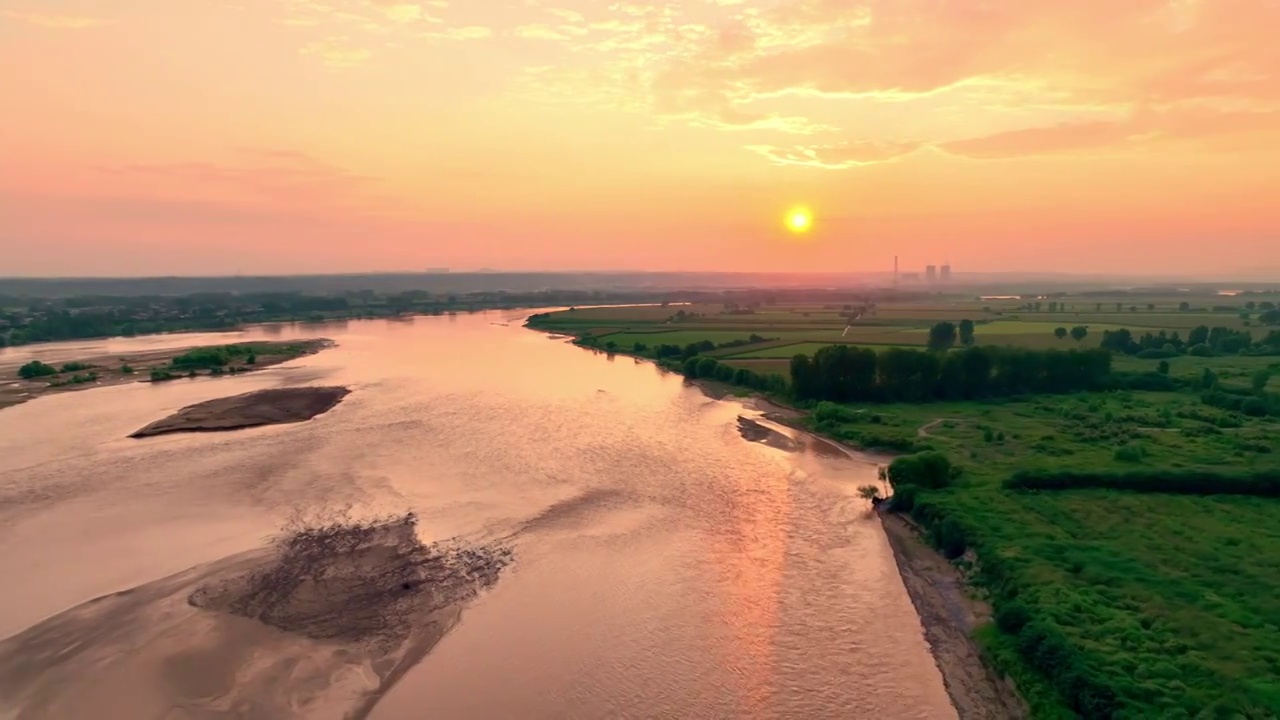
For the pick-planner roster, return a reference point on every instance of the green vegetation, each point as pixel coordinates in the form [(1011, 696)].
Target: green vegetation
[(35, 369), (1143, 584), (221, 356)]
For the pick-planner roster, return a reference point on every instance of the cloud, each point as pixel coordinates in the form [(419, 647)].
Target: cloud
[(467, 32), (1047, 76), (335, 52), (55, 22), (1147, 128), (539, 32), (841, 156), (407, 13)]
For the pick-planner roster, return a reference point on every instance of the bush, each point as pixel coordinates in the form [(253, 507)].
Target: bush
[(1130, 453), (35, 369), (72, 367), (950, 539), (1200, 350), (126, 369), (1012, 616), (1157, 353), (903, 499), (927, 470)]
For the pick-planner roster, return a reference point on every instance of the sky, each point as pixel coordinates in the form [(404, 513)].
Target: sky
[(197, 137)]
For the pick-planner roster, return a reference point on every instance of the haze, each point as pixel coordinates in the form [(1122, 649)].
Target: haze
[(276, 136)]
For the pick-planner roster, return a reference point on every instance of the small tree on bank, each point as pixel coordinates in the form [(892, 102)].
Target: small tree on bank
[(1060, 332)]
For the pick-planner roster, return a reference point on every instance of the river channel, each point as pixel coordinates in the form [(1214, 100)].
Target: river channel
[(664, 567)]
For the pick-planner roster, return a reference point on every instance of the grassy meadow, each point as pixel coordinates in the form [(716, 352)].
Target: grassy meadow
[(1108, 603)]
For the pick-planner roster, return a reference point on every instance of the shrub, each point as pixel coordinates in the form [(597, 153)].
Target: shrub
[(1200, 350), (35, 369), (1012, 616), (903, 499), (927, 470), (126, 369), (1130, 453), (1157, 353), (72, 367)]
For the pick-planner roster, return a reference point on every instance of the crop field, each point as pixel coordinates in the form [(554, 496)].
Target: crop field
[(762, 366), (806, 348), (806, 327)]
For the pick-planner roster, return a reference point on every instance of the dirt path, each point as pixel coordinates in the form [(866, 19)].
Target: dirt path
[(923, 430), (949, 617)]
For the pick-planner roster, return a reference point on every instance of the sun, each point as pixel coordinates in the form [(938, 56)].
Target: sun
[(799, 220)]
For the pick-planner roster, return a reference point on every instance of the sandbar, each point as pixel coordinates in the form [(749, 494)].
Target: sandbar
[(262, 407)]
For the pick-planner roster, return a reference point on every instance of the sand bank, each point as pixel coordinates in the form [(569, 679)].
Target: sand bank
[(319, 626), (262, 407)]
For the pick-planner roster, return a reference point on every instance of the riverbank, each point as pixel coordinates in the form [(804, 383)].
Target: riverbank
[(950, 614), (942, 598), (945, 602), (75, 372)]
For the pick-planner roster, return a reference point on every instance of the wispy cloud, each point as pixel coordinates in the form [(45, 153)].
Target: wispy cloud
[(840, 156), (1050, 68), (337, 52)]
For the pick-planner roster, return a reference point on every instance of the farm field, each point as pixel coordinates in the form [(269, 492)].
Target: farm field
[(794, 328)]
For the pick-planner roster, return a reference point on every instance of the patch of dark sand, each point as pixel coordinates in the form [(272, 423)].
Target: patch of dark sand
[(756, 431), (320, 626), (262, 407)]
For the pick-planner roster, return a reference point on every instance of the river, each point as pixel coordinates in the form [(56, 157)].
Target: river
[(664, 566)]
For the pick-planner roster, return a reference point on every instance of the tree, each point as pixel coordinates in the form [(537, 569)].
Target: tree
[(942, 336), (1151, 306), (869, 492), (1184, 306), (1060, 332), (1119, 307), (966, 332), (1079, 333), (1163, 367)]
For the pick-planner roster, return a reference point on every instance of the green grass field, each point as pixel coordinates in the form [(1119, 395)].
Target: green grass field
[(1173, 597)]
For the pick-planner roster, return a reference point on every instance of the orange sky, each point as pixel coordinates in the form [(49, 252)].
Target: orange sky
[(277, 136)]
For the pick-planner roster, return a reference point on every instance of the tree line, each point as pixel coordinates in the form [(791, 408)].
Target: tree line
[(1180, 482), (846, 373), (1202, 341)]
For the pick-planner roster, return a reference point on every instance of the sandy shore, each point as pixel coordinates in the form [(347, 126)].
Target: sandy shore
[(949, 615), (263, 407), (108, 369), (319, 626)]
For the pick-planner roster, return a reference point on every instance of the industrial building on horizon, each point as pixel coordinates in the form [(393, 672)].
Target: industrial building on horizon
[(932, 273)]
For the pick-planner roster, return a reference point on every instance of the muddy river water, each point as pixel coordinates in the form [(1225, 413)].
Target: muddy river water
[(663, 565)]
